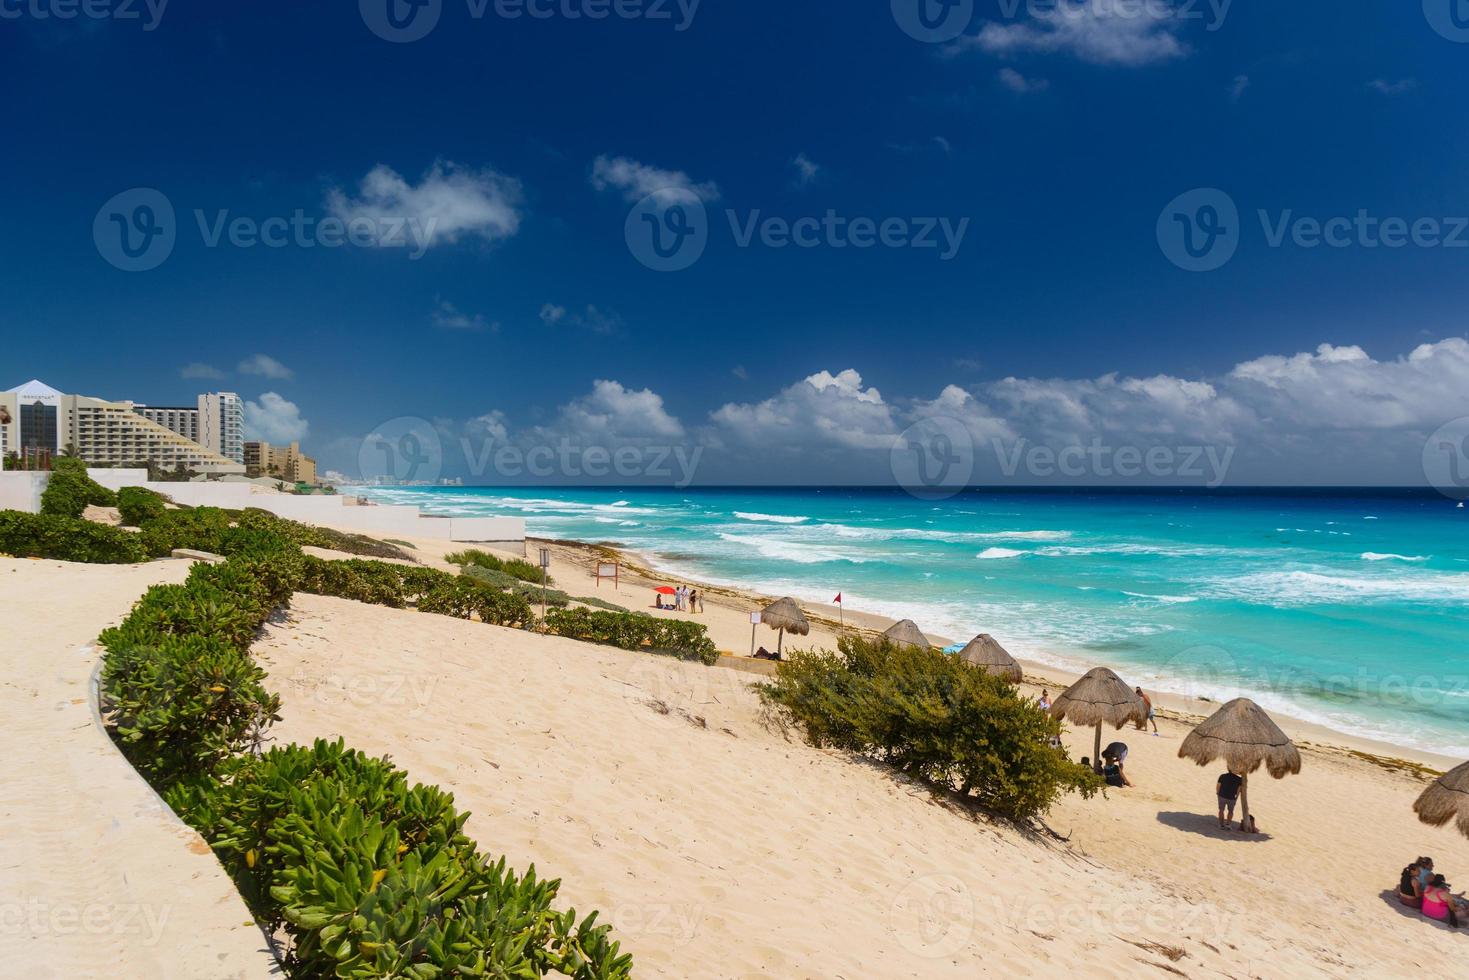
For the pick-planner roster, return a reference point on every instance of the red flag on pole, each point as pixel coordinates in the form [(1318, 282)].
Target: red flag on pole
[(841, 609), (838, 599)]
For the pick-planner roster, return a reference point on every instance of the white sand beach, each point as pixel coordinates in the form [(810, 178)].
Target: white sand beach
[(715, 845)]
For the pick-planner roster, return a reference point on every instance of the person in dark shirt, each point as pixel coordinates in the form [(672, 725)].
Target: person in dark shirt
[(1227, 789)]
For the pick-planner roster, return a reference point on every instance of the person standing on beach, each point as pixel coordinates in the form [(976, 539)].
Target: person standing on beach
[(681, 597), (1142, 726), (693, 600), (1227, 789)]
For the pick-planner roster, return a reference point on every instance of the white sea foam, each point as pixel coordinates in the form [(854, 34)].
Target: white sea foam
[(1374, 556), (1305, 588), (993, 553), (1167, 600), (783, 549), (770, 518)]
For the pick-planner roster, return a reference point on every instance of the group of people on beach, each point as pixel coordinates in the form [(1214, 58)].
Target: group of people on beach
[(1421, 888), (685, 599)]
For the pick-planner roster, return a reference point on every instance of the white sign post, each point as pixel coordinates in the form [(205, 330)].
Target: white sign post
[(755, 619)]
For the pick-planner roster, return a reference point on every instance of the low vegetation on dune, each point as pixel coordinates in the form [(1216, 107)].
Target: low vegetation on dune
[(70, 491), (517, 568), (933, 717)]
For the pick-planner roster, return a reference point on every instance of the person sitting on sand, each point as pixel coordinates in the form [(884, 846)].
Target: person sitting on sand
[(1248, 825), (1410, 886), (1117, 750), (1045, 702), (1227, 790), (1438, 902), (1114, 775)]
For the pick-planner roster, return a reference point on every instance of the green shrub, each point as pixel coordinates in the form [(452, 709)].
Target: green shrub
[(139, 504), (373, 878), (182, 704), (516, 568), (490, 576), (596, 603), (197, 528), (635, 631), (70, 491), (932, 716), (465, 598), (310, 536), (198, 608), (67, 539)]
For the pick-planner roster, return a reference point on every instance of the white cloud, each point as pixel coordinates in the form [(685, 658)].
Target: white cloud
[(1238, 86), (592, 318), (449, 317), (1019, 84), (612, 415), (1398, 87), (273, 419), (806, 170), (1100, 32), (639, 180), (266, 367), (447, 204), (824, 410), (201, 371)]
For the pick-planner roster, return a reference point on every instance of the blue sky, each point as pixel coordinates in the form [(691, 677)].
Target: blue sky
[(1054, 138)]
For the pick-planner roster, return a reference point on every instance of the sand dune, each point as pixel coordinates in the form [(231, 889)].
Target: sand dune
[(719, 849)]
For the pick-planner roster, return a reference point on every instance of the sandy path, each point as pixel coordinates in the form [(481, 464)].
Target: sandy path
[(719, 849), (97, 877)]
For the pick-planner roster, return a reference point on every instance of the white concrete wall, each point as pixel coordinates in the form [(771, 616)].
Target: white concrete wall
[(22, 491), (322, 509)]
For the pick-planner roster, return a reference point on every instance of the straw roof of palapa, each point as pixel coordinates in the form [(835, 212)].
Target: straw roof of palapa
[(1447, 799), (985, 652), (1242, 734), (906, 633), (784, 614), (1099, 698)]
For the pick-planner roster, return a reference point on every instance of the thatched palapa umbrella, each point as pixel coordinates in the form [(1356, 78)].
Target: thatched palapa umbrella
[(1100, 698), (1447, 799), (1242, 734), (906, 634), (783, 615), (985, 652)]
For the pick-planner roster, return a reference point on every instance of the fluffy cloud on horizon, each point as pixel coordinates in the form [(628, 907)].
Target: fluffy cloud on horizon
[(1333, 415), (274, 419), (1099, 32)]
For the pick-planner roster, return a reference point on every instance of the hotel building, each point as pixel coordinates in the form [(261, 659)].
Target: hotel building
[(282, 462), (104, 433), (217, 422)]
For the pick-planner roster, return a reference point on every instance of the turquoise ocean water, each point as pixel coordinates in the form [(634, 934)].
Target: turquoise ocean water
[(1346, 608)]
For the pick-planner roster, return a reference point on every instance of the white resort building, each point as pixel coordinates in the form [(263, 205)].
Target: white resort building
[(107, 433), (217, 422)]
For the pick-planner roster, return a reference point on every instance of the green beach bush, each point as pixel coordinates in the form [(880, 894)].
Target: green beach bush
[(516, 568), (369, 877), (311, 536), (464, 598), (25, 535), (933, 717), (70, 490), (139, 504), (635, 631), (374, 878)]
